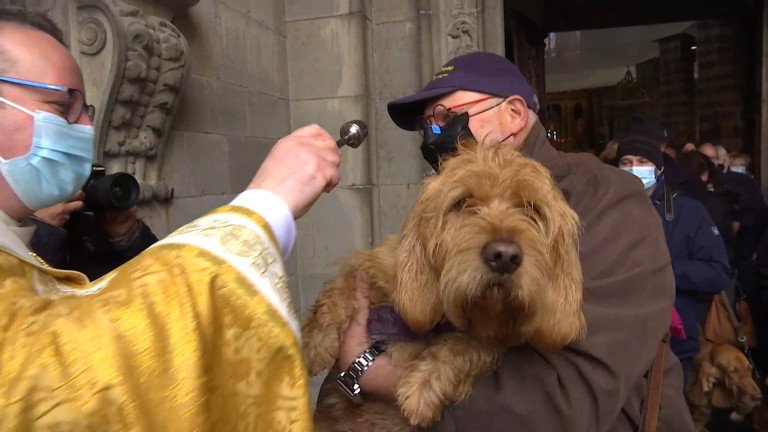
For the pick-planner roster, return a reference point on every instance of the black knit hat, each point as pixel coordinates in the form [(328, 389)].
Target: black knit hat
[(640, 146), (647, 125)]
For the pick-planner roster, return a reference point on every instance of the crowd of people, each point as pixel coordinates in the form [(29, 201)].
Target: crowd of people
[(197, 332), (729, 203), (715, 227)]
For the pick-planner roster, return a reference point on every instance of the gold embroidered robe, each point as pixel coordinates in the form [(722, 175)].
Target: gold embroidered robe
[(195, 334)]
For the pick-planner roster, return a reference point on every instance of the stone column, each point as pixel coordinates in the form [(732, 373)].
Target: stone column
[(720, 83), (328, 65), (677, 86)]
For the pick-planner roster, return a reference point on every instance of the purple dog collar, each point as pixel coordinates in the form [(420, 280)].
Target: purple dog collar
[(384, 323)]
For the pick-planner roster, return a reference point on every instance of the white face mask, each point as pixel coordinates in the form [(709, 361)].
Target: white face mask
[(646, 174), (739, 169), (58, 162)]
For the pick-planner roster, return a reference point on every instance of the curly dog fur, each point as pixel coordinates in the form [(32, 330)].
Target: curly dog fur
[(434, 271)]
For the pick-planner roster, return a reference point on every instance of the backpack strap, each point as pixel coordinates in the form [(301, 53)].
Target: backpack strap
[(665, 208), (669, 208)]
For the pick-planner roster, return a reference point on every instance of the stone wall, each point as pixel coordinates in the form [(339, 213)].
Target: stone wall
[(234, 108)]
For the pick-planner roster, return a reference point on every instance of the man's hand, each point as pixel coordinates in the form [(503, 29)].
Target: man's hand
[(59, 214), (118, 223), (382, 378), (299, 168)]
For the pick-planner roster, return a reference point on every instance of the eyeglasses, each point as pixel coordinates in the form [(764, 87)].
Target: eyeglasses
[(442, 115), (73, 107)]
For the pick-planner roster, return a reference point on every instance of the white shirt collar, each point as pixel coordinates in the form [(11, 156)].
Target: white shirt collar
[(14, 235)]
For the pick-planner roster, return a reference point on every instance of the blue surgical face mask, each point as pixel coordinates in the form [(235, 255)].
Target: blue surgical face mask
[(739, 169), (646, 174), (58, 162)]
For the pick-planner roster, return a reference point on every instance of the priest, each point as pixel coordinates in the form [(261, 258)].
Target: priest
[(195, 334)]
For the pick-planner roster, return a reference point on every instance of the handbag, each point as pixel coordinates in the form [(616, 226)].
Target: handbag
[(730, 325)]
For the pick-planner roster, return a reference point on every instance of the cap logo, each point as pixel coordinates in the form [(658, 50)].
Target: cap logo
[(443, 72)]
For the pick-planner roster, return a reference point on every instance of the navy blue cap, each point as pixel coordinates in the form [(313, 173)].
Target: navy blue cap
[(481, 72)]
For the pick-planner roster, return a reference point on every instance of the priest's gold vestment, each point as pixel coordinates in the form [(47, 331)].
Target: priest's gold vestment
[(195, 334)]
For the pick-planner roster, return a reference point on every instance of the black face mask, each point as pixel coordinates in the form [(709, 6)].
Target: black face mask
[(441, 142)]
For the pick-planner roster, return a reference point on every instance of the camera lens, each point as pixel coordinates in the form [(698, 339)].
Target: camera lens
[(122, 190), (118, 191)]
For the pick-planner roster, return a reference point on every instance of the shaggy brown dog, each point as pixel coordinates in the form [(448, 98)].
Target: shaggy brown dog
[(490, 247), (722, 379)]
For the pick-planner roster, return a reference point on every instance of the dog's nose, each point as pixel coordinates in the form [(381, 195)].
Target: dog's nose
[(502, 256)]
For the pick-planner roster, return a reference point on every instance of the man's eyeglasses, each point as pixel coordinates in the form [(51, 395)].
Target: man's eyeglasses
[(73, 107), (442, 115)]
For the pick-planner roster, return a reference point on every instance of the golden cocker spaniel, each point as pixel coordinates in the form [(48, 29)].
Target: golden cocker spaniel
[(722, 379)]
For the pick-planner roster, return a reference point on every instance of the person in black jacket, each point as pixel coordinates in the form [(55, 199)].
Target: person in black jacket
[(699, 259), (762, 272), (721, 204), (91, 243)]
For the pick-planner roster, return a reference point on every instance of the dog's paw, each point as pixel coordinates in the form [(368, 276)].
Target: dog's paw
[(318, 358), (420, 411), (419, 403)]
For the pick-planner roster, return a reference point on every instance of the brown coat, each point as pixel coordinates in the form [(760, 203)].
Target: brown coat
[(597, 384)]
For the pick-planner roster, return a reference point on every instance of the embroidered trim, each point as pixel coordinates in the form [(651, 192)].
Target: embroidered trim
[(237, 239)]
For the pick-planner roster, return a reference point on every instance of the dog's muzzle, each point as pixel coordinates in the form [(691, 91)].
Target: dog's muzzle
[(501, 256)]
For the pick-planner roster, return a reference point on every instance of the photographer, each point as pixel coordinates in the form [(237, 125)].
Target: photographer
[(91, 243)]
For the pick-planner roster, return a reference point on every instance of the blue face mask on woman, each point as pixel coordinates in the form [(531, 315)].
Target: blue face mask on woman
[(646, 174), (58, 162)]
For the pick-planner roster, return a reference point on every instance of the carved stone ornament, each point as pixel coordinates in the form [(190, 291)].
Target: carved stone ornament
[(462, 33), (135, 67), (448, 28)]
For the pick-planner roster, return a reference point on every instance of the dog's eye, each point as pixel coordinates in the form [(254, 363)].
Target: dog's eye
[(532, 210), (460, 204)]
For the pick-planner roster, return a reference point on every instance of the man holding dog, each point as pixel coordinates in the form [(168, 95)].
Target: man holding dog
[(195, 334), (598, 383)]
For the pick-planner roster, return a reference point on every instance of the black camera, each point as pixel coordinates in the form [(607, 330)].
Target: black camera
[(119, 191)]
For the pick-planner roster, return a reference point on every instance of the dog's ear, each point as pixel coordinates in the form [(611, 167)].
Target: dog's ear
[(416, 294), (699, 391), (564, 322)]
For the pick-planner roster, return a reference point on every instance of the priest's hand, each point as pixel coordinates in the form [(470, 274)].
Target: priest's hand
[(299, 168)]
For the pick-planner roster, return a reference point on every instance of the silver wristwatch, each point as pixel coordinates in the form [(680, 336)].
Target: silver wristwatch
[(347, 380)]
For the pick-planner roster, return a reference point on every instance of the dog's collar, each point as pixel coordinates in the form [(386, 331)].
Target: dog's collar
[(384, 323)]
